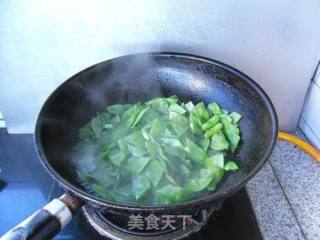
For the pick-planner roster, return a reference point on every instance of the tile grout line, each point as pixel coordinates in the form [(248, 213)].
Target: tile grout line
[(285, 195), (307, 124), (315, 73), (255, 212), (315, 83)]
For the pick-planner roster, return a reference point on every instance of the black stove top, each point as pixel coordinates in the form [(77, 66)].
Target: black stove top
[(26, 187)]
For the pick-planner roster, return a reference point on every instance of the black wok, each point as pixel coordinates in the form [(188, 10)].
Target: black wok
[(139, 77)]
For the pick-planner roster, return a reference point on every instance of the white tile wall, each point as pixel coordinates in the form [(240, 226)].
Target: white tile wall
[(310, 117), (312, 137), (317, 76), (2, 123)]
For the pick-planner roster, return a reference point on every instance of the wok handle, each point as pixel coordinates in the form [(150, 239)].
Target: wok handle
[(46, 222)]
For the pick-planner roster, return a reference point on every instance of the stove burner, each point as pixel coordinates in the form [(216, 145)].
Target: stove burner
[(108, 229)]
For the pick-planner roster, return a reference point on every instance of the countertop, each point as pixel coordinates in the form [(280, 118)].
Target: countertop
[(286, 194)]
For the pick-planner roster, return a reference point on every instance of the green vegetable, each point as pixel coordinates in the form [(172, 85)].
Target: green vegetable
[(102, 177), (180, 124), (189, 106), (214, 108), (157, 127), (232, 133), (118, 109), (96, 126), (219, 142), (200, 181), (176, 108), (154, 171), (231, 166), (140, 186), (100, 190), (85, 132), (195, 123), (204, 143), (217, 174), (210, 123), (216, 160), (195, 152), (170, 193), (236, 117), (136, 164), (159, 152), (216, 128), (201, 112), (117, 157), (139, 116)]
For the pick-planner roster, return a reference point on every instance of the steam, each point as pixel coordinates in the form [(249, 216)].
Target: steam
[(124, 82)]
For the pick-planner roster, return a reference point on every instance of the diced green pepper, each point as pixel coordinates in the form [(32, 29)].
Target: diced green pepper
[(216, 128), (200, 181), (225, 112), (217, 174), (185, 170), (195, 152), (180, 124), (107, 126), (231, 166), (85, 132), (154, 172), (201, 112), (176, 108), (232, 134), (159, 104), (219, 142), (137, 164), (136, 139), (210, 123), (216, 160), (171, 100), (139, 116), (157, 127), (189, 106), (101, 190), (236, 117), (140, 186), (117, 157), (195, 124), (214, 108), (172, 193), (103, 177), (137, 151), (159, 152), (118, 109), (96, 126), (204, 143)]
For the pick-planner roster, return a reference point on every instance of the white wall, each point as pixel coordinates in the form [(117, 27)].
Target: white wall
[(44, 42), (2, 123), (310, 117)]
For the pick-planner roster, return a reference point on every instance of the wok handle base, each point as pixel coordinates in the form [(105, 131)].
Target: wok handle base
[(46, 222)]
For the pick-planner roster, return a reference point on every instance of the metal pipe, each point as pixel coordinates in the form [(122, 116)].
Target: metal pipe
[(300, 143)]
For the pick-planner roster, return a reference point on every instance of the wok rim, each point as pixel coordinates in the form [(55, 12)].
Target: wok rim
[(214, 197)]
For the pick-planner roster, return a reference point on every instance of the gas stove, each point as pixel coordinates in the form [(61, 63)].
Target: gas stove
[(26, 187)]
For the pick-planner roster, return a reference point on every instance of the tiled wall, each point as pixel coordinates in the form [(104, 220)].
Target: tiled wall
[(2, 123), (274, 42), (310, 117)]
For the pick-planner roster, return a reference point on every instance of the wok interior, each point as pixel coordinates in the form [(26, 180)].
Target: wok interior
[(136, 78)]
